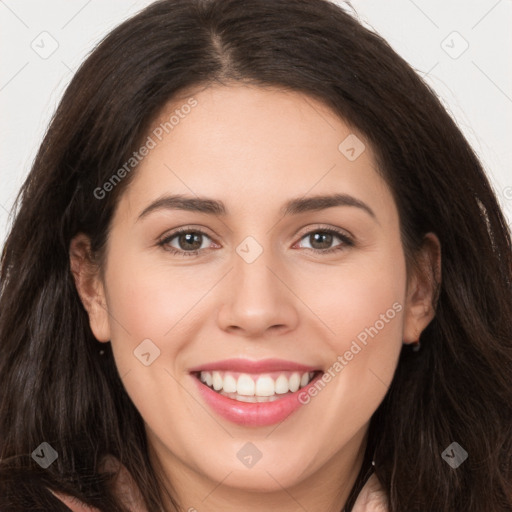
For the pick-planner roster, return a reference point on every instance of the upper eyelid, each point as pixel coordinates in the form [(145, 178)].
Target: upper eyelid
[(325, 227), (186, 229)]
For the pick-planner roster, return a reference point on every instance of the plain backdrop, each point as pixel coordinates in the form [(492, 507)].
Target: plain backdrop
[(462, 48)]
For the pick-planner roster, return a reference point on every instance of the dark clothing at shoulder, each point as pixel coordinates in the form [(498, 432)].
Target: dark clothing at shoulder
[(28, 496)]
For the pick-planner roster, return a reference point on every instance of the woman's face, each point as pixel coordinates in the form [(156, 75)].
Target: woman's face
[(260, 281)]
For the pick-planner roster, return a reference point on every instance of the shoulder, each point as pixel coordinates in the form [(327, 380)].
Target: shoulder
[(73, 503), (22, 490), (125, 489), (372, 497)]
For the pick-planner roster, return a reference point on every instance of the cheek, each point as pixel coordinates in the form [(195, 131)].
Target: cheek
[(361, 294), (146, 303), (148, 300), (362, 303), (157, 302), (370, 305), (142, 306)]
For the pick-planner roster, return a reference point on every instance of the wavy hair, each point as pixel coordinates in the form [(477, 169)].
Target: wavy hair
[(58, 385)]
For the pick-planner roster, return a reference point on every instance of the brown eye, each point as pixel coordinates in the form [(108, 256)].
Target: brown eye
[(186, 242), (321, 240), (191, 241)]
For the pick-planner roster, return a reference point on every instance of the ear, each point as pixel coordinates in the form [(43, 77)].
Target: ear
[(90, 286), (422, 286)]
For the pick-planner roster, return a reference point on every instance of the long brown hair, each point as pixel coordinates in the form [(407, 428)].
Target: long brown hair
[(60, 386)]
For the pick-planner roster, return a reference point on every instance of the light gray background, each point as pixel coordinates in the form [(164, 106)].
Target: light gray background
[(475, 83)]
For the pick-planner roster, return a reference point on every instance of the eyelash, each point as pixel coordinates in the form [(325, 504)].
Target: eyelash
[(347, 241)]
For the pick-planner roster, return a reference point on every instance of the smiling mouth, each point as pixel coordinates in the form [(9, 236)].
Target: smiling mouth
[(261, 387)]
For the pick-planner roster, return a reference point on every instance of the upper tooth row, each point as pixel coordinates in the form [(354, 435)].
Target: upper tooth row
[(264, 385)]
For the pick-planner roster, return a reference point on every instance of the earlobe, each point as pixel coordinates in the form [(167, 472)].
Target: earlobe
[(89, 286), (422, 289)]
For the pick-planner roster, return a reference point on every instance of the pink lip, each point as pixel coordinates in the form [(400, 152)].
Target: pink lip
[(248, 366), (258, 414)]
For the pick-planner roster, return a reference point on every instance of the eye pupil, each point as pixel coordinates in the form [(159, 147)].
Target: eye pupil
[(190, 238), (327, 240)]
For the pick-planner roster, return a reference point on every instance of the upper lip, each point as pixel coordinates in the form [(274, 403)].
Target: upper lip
[(250, 366)]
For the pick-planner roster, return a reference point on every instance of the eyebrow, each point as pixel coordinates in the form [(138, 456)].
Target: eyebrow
[(293, 206)]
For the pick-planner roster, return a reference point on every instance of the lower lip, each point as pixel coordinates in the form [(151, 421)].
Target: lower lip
[(248, 414)]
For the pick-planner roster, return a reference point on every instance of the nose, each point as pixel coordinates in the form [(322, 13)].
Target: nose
[(258, 297)]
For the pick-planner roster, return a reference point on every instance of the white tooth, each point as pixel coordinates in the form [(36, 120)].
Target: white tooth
[(207, 378), (266, 398), (217, 381), (281, 385), (229, 384), (294, 382), (265, 386), (253, 399), (245, 385), (242, 398)]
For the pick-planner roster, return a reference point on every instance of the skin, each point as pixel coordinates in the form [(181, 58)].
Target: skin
[(254, 149)]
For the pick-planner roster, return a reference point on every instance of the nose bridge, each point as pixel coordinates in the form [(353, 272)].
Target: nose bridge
[(257, 299), (254, 283)]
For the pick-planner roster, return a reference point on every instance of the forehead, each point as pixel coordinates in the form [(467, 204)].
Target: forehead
[(249, 145)]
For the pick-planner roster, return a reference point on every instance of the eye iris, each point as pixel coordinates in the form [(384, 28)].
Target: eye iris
[(327, 240), (190, 238)]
